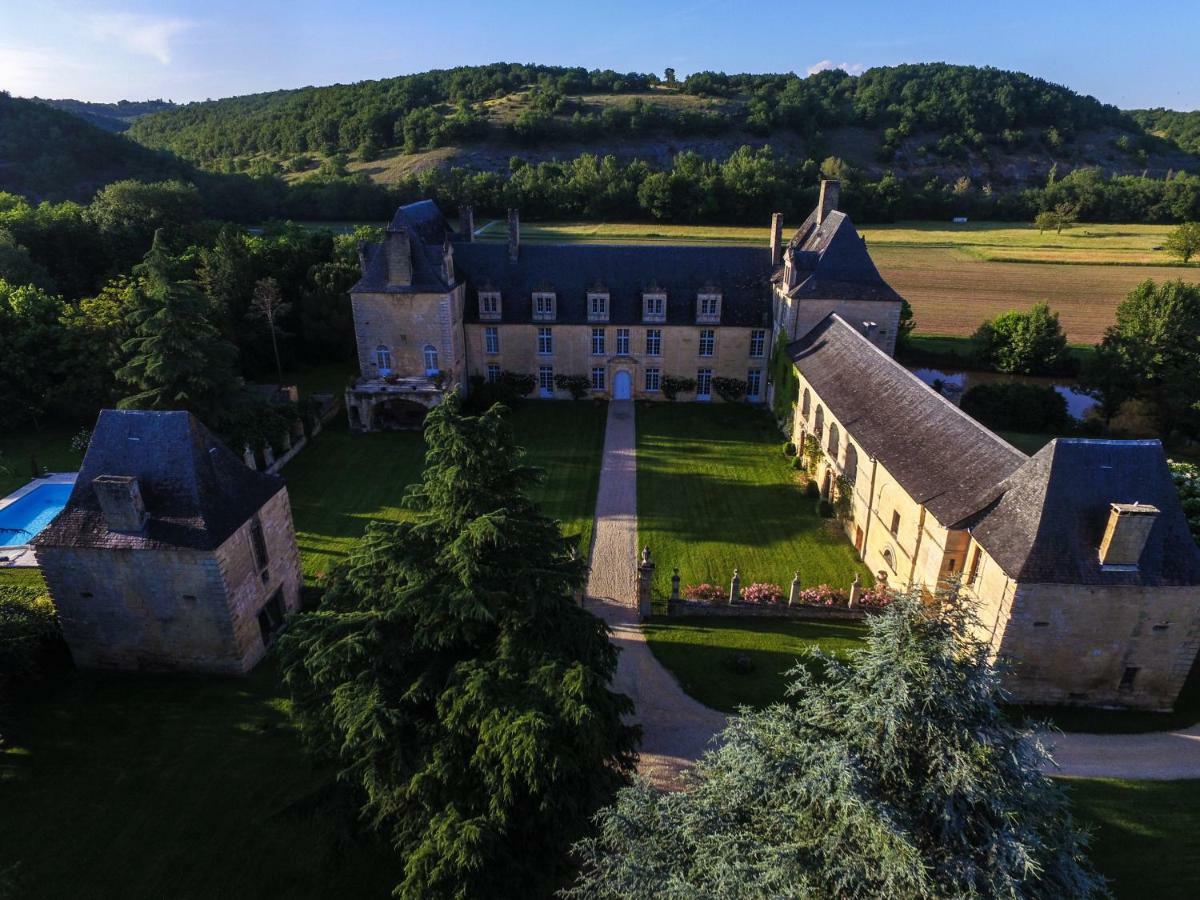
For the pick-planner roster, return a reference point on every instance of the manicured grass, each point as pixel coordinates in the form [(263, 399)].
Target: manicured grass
[(715, 492), (23, 577), (51, 446), (344, 481), (699, 651), (175, 787), (1146, 834)]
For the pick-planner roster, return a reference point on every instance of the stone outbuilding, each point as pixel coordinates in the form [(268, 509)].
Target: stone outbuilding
[(170, 554)]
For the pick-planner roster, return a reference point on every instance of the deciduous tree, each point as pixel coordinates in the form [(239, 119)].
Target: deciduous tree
[(1184, 242), (1028, 343)]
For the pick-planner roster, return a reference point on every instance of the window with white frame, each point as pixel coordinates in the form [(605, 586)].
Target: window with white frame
[(597, 307), (654, 342), (597, 342), (491, 339), (703, 384), (431, 359), (543, 307), (653, 380), (545, 342), (708, 307), (758, 343), (597, 378), (493, 373), (708, 341), (383, 359), (622, 342), (489, 304), (654, 307), (546, 379), (754, 383)]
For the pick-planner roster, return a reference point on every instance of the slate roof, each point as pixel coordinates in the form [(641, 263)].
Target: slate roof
[(833, 262), (197, 492), (939, 455), (1047, 519), (428, 233), (742, 276), (426, 219)]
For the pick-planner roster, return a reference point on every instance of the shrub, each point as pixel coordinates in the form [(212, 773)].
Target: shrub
[(578, 385), (825, 509), (813, 454), (876, 597), (811, 490), (1028, 343), (823, 595), (673, 386), (731, 390), (762, 592), (798, 463), (704, 591), (508, 389), (789, 449), (27, 623), (1014, 406), (1187, 481)]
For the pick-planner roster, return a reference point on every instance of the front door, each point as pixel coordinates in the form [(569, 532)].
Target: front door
[(622, 385)]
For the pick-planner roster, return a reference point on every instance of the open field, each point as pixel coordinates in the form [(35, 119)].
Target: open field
[(716, 492)]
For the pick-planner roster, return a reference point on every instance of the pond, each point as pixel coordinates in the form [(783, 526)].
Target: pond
[(957, 382)]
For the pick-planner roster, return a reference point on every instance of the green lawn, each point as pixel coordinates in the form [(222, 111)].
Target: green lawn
[(716, 492), (176, 787), (699, 651), (51, 447), (344, 481)]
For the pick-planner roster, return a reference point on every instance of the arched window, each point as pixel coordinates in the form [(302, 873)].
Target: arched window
[(805, 405), (850, 470), (431, 360), (834, 441), (890, 558), (819, 423), (383, 359)]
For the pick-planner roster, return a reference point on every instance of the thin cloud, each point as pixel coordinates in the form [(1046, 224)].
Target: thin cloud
[(827, 65), (145, 35)]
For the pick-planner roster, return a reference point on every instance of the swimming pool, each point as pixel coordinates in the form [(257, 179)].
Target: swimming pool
[(21, 520)]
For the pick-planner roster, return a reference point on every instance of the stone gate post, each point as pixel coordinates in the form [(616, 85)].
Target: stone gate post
[(645, 580), (794, 593), (735, 587), (855, 591)]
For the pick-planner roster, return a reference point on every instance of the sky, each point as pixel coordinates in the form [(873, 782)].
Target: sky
[(1129, 54)]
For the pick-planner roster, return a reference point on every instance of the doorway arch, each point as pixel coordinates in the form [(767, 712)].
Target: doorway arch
[(622, 385)]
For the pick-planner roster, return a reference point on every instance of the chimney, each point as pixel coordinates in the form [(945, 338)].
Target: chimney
[(828, 201), (466, 222), (399, 257), (776, 238), (362, 257), (514, 234), (121, 502), (1125, 535)]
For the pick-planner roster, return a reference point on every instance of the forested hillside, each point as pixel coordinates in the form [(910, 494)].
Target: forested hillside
[(115, 117), (1180, 128)]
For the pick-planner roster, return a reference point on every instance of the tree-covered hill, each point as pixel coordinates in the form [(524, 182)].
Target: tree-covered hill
[(115, 117), (1180, 128)]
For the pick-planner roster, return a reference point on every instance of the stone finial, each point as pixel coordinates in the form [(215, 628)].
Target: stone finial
[(248, 457), (855, 591), (646, 556), (735, 587), (794, 593), (675, 585)]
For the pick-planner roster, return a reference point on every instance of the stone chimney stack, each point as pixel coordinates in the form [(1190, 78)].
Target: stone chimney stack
[(828, 201), (121, 502), (1125, 535), (362, 257), (776, 238), (514, 234), (466, 222), (399, 257)]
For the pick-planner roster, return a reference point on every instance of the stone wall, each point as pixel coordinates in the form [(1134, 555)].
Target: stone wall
[(405, 323), (798, 317)]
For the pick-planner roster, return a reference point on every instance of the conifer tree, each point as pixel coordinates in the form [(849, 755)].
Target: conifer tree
[(177, 358), (456, 684), (894, 775)]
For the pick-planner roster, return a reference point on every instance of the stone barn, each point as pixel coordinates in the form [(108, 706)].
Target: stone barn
[(170, 554)]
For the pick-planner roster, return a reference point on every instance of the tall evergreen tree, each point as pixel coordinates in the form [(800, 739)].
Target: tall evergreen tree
[(176, 358), (895, 775), (456, 683)]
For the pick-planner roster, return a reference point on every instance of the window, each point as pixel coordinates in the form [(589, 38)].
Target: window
[(258, 547), (622, 342), (545, 342), (270, 617), (598, 307), (703, 384), (654, 307), (431, 360), (546, 380), (890, 558), (834, 441), (1128, 677), (951, 564), (805, 404), (543, 307), (597, 342), (708, 307), (850, 469), (489, 305), (753, 383), (383, 359), (758, 343), (653, 380), (654, 342), (707, 340), (491, 339), (493, 373), (819, 423), (894, 528), (1160, 627), (1041, 624), (973, 575), (598, 378)]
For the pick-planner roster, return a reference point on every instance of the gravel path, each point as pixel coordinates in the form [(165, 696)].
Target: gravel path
[(1158, 755), (675, 728)]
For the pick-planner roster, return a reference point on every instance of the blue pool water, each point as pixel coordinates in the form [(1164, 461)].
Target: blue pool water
[(25, 517)]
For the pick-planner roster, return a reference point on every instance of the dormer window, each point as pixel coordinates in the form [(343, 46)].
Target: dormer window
[(489, 304), (654, 307), (543, 307), (597, 306), (708, 307)]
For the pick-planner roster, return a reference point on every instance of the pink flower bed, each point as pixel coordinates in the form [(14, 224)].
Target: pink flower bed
[(704, 591), (762, 592)]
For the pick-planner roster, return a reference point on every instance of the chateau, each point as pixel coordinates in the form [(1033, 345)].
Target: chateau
[(1080, 559)]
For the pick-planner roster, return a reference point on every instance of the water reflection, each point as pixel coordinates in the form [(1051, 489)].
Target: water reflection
[(957, 382)]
